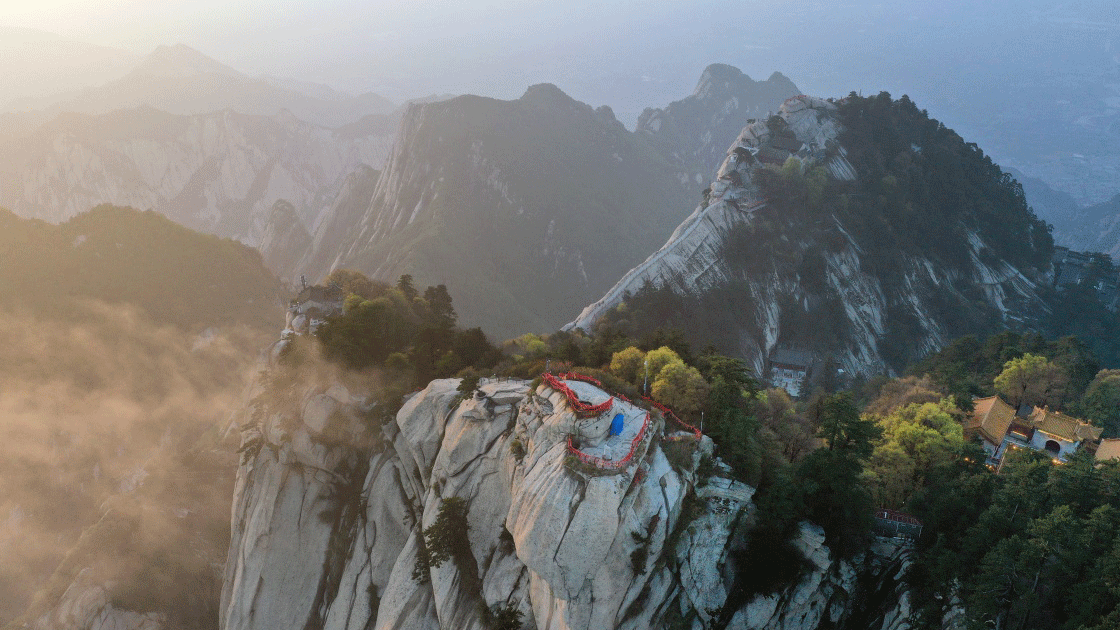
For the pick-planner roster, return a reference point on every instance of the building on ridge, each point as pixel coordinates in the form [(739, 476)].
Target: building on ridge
[(313, 306), (1000, 428), (789, 369)]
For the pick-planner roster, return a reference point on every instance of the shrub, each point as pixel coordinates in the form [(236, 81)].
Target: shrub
[(517, 449), (679, 453), (500, 616), (446, 538)]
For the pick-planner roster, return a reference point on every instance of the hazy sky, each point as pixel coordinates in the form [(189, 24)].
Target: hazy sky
[(958, 58), (622, 53)]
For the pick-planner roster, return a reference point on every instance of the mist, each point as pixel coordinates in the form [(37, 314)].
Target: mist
[(116, 464)]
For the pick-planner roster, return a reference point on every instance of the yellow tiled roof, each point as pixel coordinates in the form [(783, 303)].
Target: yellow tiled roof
[(1109, 449), (991, 417), (1066, 427)]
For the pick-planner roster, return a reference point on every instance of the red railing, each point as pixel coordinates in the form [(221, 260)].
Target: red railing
[(599, 462), (582, 409), (885, 514), (668, 413), (588, 410), (573, 376)]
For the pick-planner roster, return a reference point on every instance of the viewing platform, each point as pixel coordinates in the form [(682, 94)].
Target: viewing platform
[(610, 428)]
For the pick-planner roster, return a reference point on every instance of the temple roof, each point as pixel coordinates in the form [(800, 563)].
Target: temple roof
[(991, 417)]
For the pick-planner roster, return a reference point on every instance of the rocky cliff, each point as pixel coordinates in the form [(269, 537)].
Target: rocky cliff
[(219, 172), (331, 499), (514, 205), (694, 131), (494, 197), (755, 274)]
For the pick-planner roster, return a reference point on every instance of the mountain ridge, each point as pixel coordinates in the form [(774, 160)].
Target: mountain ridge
[(534, 173), (762, 247), (218, 173), (181, 80)]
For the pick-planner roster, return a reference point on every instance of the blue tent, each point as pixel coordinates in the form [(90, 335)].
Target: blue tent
[(616, 426)]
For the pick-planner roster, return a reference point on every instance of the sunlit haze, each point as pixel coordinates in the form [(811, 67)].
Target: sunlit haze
[(564, 314)]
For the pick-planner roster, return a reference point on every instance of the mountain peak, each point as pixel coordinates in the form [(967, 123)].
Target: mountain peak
[(181, 60), (545, 93), (719, 77), (782, 80)]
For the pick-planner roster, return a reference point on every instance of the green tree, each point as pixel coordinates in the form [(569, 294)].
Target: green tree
[(627, 364), (441, 313), (917, 439), (777, 416), (817, 181), (1101, 402), (659, 358), (356, 283), (842, 429), (831, 478), (405, 286), (1030, 379), (681, 387), (446, 538)]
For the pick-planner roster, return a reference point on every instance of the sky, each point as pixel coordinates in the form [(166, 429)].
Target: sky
[(966, 62), (620, 52)]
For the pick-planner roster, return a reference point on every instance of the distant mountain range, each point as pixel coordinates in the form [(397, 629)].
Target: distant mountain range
[(526, 209), (694, 131), (1093, 228), (218, 173), (35, 63), (180, 80)]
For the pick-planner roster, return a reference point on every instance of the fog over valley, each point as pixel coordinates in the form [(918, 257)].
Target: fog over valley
[(530, 315)]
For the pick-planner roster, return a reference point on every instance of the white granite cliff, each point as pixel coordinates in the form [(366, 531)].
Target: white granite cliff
[(694, 258), (328, 507)]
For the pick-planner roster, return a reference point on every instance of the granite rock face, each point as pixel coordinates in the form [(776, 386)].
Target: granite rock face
[(515, 205), (705, 254), (694, 131), (219, 172), (330, 506)]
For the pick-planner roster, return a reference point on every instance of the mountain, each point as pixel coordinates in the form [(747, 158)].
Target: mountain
[(694, 130), (1093, 228), (127, 257), (219, 172), (521, 207), (34, 64), (861, 230), (181, 80), (285, 236), (1053, 206), (335, 225), (336, 518), (516, 206)]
